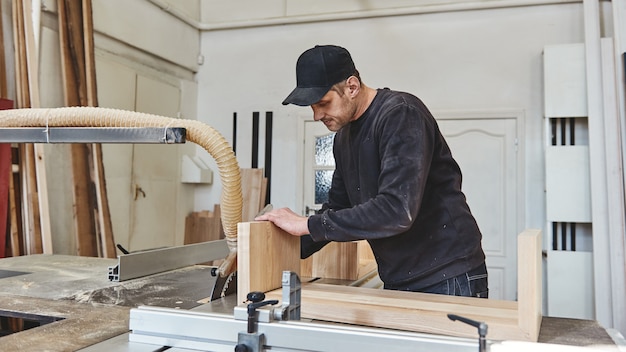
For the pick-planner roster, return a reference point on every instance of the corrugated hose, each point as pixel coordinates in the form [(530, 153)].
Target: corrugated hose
[(197, 132)]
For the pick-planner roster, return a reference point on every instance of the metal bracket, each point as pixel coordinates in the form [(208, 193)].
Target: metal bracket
[(292, 293), (289, 309), (151, 135)]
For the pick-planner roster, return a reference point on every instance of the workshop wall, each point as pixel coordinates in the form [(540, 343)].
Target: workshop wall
[(469, 60)]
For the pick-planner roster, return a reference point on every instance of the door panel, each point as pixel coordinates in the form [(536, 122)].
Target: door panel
[(486, 152)]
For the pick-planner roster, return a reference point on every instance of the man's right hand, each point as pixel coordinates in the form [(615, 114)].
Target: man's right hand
[(287, 220)]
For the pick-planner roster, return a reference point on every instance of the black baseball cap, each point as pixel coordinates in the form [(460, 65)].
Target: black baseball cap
[(317, 70)]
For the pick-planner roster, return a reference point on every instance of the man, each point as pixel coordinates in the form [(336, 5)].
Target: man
[(395, 185)]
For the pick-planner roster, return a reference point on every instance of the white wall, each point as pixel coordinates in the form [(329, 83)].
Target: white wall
[(482, 59)]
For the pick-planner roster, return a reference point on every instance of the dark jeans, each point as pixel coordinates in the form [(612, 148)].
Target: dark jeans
[(471, 284)]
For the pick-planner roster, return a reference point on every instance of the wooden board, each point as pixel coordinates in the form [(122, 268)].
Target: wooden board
[(3, 67), (16, 239), (252, 191), (264, 251), (203, 226), (5, 176), (337, 260), (409, 311), (529, 282), (421, 312)]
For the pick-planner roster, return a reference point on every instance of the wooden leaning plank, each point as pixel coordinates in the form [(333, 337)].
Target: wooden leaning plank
[(263, 257)]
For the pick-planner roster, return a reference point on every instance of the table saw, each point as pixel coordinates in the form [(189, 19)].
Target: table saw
[(77, 307)]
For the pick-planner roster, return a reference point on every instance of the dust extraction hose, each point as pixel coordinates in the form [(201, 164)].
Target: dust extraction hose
[(197, 132)]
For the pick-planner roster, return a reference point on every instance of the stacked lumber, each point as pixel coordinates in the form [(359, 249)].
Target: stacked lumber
[(94, 231), (30, 221), (204, 226), (29, 195)]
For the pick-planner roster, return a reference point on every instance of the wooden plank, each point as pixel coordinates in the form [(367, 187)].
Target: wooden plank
[(21, 71), (5, 176), (251, 183), (263, 195), (104, 223), (30, 205), (32, 53), (264, 251), (529, 282), (90, 60), (365, 251), (408, 311), (217, 230), (27, 69), (73, 74), (42, 198), (3, 67), (190, 228), (421, 312), (24, 227), (84, 225), (16, 242), (79, 83), (337, 260)]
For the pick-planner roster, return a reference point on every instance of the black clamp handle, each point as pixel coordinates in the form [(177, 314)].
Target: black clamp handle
[(482, 330), (257, 299)]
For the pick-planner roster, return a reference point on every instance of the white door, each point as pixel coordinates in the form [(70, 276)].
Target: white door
[(486, 151), (487, 154)]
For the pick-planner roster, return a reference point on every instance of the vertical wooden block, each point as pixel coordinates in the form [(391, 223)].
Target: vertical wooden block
[(264, 251), (529, 283), (251, 188), (337, 260)]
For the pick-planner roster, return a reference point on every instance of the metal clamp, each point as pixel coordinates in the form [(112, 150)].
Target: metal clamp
[(251, 340)]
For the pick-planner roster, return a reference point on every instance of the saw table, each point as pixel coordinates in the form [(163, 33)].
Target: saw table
[(78, 308)]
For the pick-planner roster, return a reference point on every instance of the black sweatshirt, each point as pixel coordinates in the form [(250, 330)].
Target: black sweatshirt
[(397, 186)]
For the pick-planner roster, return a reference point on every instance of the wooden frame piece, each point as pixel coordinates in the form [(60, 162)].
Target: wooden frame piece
[(337, 260), (409, 311), (264, 251)]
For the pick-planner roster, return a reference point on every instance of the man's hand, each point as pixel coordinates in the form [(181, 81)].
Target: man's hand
[(287, 220)]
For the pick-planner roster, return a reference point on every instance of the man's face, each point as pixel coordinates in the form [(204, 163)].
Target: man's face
[(335, 110)]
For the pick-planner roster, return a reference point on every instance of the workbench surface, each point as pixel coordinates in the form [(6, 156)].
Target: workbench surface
[(78, 290), (95, 309)]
